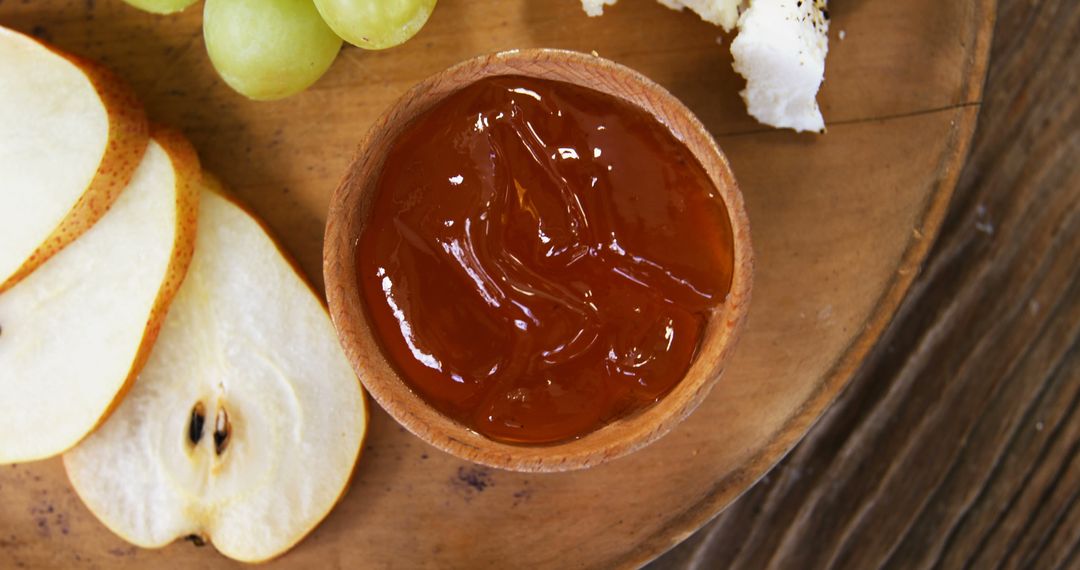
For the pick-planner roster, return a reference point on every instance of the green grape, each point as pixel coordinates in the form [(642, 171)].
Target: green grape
[(376, 24), (268, 49), (161, 6)]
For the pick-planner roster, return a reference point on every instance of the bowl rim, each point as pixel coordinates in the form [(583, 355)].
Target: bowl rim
[(349, 204)]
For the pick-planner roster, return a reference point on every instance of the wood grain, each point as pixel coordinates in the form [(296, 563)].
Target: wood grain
[(957, 444), (840, 222)]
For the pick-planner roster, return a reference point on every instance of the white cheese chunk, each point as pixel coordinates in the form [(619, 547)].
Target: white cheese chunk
[(780, 50), (723, 13), (595, 8)]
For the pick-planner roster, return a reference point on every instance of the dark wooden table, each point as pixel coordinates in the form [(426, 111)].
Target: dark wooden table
[(956, 446)]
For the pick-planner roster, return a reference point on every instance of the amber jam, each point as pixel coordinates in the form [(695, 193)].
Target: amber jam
[(541, 258)]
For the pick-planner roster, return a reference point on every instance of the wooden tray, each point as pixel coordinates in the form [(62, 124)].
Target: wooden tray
[(841, 224)]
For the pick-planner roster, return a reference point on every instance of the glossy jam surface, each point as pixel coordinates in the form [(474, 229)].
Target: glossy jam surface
[(541, 258)]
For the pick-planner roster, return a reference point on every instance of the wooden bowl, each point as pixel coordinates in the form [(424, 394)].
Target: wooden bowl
[(349, 212), (842, 224)]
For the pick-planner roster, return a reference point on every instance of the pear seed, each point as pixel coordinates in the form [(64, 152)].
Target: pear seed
[(198, 420), (222, 431)]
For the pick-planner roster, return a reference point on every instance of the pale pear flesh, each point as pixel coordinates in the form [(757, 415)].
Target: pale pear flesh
[(72, 136), (74, 332), (248, 349)]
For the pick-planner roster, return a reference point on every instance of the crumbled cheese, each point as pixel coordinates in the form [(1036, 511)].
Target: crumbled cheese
[(595, 8), (723, 13), (780, 50)]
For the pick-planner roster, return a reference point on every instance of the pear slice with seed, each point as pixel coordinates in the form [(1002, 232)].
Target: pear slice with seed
[(246, 423), (75, 332)]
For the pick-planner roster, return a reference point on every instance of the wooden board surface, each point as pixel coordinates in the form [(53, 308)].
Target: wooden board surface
[(841, 223), (956, 445)]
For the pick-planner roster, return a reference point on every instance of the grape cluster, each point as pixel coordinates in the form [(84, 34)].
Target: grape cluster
[(270, 49)]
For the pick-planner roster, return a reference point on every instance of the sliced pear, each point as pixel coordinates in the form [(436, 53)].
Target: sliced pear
[(75, 332), (72, 136), (244, 427)]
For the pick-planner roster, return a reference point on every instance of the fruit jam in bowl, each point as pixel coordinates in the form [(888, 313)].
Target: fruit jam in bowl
[(539, 260)]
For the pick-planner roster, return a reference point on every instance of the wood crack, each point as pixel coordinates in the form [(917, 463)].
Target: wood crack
[(856, 121), (986, 343)]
